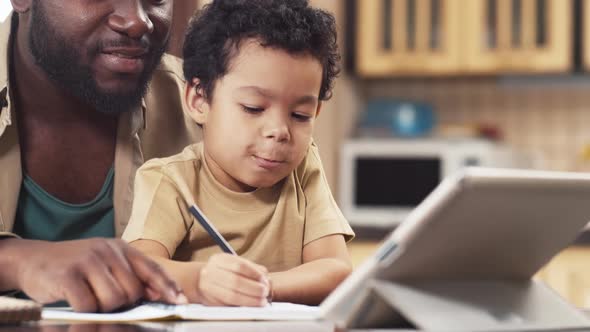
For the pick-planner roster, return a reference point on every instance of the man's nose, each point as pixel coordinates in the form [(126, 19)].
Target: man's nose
[(130, 18)]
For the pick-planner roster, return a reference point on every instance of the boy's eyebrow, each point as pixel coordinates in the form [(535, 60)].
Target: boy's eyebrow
[(257, 90), (265, 93), (307, 100)]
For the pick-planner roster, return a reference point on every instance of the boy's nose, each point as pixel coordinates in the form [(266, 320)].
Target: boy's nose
[(130, 18), (278, 132)]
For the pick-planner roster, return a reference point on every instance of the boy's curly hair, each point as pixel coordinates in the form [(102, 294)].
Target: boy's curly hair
[(216, 32)]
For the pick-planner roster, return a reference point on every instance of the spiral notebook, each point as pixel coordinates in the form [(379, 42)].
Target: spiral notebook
[(16, 310)]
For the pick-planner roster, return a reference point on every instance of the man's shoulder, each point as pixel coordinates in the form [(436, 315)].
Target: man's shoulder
[(169, 70), (167, 128), (170, 65), (167, 79)]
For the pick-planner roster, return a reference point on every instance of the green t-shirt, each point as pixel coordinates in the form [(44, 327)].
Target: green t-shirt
[(41, 216)]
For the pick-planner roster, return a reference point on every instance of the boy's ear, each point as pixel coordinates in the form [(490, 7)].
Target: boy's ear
[(196, 101)]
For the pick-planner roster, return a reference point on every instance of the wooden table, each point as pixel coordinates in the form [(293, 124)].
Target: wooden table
[(183, 327), (186, 326)]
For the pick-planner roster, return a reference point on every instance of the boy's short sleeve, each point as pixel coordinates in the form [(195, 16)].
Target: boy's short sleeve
[(157, 206), (322, 215)]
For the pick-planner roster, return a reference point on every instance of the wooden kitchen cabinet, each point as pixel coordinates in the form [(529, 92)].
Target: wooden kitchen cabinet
[(456, 37), (409, 37), (568, 274), (518, 36), (586, 34)]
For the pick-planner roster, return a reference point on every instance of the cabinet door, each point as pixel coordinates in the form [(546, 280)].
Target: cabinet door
[(518, 36), (569, 275), (586, 34), (407, 37)]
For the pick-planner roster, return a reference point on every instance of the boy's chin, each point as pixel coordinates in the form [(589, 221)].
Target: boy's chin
[(262, 183)]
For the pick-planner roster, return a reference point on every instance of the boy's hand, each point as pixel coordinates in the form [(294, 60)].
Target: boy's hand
[(227, 280)]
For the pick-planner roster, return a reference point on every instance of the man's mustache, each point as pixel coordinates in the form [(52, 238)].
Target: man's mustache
[(142, 43)]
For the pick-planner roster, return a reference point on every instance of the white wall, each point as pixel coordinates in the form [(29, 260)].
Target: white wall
[(338, 115), (5, 8)]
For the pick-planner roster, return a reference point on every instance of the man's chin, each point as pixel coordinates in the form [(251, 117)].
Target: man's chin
[(116, 98), (127, 86), (114, 104)]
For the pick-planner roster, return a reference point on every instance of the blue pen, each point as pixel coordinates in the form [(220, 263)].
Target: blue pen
[(208, 226)]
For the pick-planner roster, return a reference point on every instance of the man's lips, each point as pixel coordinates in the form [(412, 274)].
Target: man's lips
[(126, 60), (126, 52)]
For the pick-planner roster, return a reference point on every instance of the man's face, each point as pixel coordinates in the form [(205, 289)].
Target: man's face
[(102, 52)]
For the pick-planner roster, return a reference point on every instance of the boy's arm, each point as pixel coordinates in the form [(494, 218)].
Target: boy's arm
[(223, 280), (326, 263), (325, 256)]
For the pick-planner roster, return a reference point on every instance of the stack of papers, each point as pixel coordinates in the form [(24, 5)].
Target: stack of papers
[(159, 311)]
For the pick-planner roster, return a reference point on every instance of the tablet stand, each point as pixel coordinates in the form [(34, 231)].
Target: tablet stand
[(462, 305)]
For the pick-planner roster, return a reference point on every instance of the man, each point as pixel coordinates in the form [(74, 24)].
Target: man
[(74, 127)]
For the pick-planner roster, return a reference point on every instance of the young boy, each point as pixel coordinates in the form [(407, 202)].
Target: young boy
[(257, 73)]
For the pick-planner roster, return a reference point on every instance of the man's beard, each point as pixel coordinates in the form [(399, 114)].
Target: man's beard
[(62, 64)]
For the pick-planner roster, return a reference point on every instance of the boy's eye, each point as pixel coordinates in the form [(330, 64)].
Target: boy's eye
[(301, 117), (253, 110)]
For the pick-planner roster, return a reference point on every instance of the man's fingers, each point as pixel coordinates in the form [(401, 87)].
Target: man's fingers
[(154, 277), (79, 294), (109, 294), (123, 273), (152, 295)]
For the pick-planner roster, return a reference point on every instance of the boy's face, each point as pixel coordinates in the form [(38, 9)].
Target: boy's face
[(258, 124)]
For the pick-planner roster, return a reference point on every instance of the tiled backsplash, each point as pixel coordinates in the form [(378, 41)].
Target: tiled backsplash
[(548, 117)]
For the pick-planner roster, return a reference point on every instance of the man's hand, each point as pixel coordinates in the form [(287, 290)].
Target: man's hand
[(92, 275), (231, 280)]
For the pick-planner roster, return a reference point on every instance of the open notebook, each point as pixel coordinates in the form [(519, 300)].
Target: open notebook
[(159, 311)]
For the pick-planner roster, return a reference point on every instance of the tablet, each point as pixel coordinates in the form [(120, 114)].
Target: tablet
[(482, 228), (485, 223)]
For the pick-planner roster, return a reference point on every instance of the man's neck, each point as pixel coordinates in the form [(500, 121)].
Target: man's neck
[(67, 147)]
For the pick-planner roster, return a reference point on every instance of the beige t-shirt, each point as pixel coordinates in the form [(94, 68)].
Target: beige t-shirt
[(269, 226)]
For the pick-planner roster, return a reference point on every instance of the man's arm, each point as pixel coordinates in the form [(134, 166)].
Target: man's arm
[(92, 275)]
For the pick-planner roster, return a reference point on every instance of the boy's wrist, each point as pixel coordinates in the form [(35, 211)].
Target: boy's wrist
[(192, 282), (270, 296)]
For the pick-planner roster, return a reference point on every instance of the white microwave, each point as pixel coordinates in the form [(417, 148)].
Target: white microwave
[(382, 180)]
